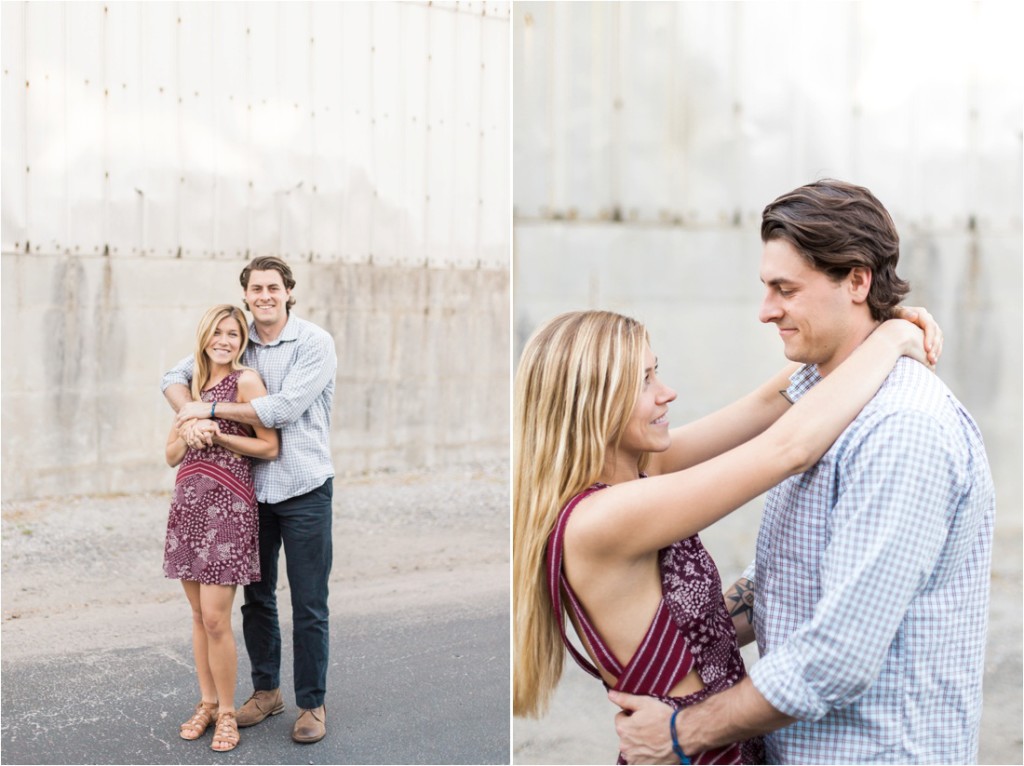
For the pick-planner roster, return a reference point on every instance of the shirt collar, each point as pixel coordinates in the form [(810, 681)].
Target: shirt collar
[(802, 381), (290, 331)]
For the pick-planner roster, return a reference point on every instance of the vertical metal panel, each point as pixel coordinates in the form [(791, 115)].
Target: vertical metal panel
[(86, 137), (646, 44), (441, 110), (46, 142), (230, 128), (768, 118), (412, 148), (195, 97), (356, 101), (160, 162), (531, 108), (123, 151), (13, 93), (466, 138), (327, 141), (495, 183), (387, 115)]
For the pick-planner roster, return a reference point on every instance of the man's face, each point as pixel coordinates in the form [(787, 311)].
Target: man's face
[(815, 315), (267, 297)]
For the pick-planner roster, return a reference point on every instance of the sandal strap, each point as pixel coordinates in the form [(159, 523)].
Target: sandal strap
[(227, 728), (203, 715)]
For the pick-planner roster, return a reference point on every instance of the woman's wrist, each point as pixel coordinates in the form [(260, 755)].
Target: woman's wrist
[(900, 334)]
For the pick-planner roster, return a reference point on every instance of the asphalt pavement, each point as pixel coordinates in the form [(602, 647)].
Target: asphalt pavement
[(409, 688)]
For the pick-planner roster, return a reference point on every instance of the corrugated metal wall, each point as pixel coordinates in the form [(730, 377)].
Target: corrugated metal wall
[(698, 113), (351, 132), (648, 137)]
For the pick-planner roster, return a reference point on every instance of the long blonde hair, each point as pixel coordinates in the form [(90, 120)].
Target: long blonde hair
[(577, 383), (207, 325)]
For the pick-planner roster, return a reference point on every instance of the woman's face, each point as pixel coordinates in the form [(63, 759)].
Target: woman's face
[(225, 343), (647, 429)]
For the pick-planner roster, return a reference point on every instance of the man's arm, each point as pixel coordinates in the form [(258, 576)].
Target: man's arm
[(314, 368), (315, 365), (739, 600), (175, 383), (738, 713), (240, 412)]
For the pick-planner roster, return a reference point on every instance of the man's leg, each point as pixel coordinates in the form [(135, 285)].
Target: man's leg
[(306, 534), (259, 612)]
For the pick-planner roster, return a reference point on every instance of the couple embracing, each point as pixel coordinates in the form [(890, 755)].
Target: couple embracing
[(868, 596), (252, 438)]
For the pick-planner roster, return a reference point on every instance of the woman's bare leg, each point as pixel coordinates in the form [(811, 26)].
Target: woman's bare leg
[(216, 603), (200, 650)]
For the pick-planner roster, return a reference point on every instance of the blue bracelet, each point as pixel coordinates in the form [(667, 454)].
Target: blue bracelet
[(675, 740), (213, 408)]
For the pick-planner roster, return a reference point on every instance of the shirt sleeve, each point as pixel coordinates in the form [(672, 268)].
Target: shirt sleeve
[(180, 373), (898, 490), (316, 363)]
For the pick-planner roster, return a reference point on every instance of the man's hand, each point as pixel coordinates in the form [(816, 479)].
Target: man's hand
[(192, 411), (642, 726), (198, 434)]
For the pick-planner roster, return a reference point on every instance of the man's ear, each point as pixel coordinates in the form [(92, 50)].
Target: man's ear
[(860, 283)]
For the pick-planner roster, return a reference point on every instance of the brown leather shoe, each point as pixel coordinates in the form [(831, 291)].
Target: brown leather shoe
[(311, 726), (260, 705)]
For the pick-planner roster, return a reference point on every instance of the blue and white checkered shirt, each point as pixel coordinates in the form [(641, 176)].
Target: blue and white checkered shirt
[(872, 576), (298, 368)]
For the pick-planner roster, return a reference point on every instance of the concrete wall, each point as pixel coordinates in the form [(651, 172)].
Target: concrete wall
[(422, 365), (649, 136)]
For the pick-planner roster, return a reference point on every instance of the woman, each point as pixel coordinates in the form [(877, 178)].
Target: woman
[(212, 532), (623, 555)]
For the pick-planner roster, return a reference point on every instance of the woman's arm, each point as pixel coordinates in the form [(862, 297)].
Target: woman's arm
[(176, 448), (726, 428), (633, 519), (264, 443), (750, 415)]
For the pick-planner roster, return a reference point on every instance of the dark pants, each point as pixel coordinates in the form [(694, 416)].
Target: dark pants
[(303, 524)]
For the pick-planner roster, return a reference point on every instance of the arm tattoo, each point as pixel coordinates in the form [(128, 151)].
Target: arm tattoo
[(741, 598)]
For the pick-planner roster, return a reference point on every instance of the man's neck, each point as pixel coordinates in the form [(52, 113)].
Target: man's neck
[(270, 333), (854, 338)]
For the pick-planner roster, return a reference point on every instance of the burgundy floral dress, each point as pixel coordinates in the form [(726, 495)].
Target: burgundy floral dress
[(213, 527), (691, 630)]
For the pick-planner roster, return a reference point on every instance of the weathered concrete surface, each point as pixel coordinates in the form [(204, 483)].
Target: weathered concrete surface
[(422, 364)]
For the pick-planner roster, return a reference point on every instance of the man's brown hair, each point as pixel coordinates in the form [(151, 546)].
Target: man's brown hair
[(837, 226)]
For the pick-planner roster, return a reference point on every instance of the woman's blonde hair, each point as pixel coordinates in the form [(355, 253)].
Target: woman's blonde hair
[(577, 384), (207, 325)]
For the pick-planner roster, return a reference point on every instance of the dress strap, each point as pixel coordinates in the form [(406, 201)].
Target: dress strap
[(663, 656), (557, 582)]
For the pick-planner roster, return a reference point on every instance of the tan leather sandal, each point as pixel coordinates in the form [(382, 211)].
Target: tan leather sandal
[(225, 736), (196, 726)]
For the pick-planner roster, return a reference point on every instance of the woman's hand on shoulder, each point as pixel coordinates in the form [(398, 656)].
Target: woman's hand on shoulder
[(932, 346)]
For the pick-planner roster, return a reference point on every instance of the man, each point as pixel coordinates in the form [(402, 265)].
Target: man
[(872, 568), (297, 362)]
